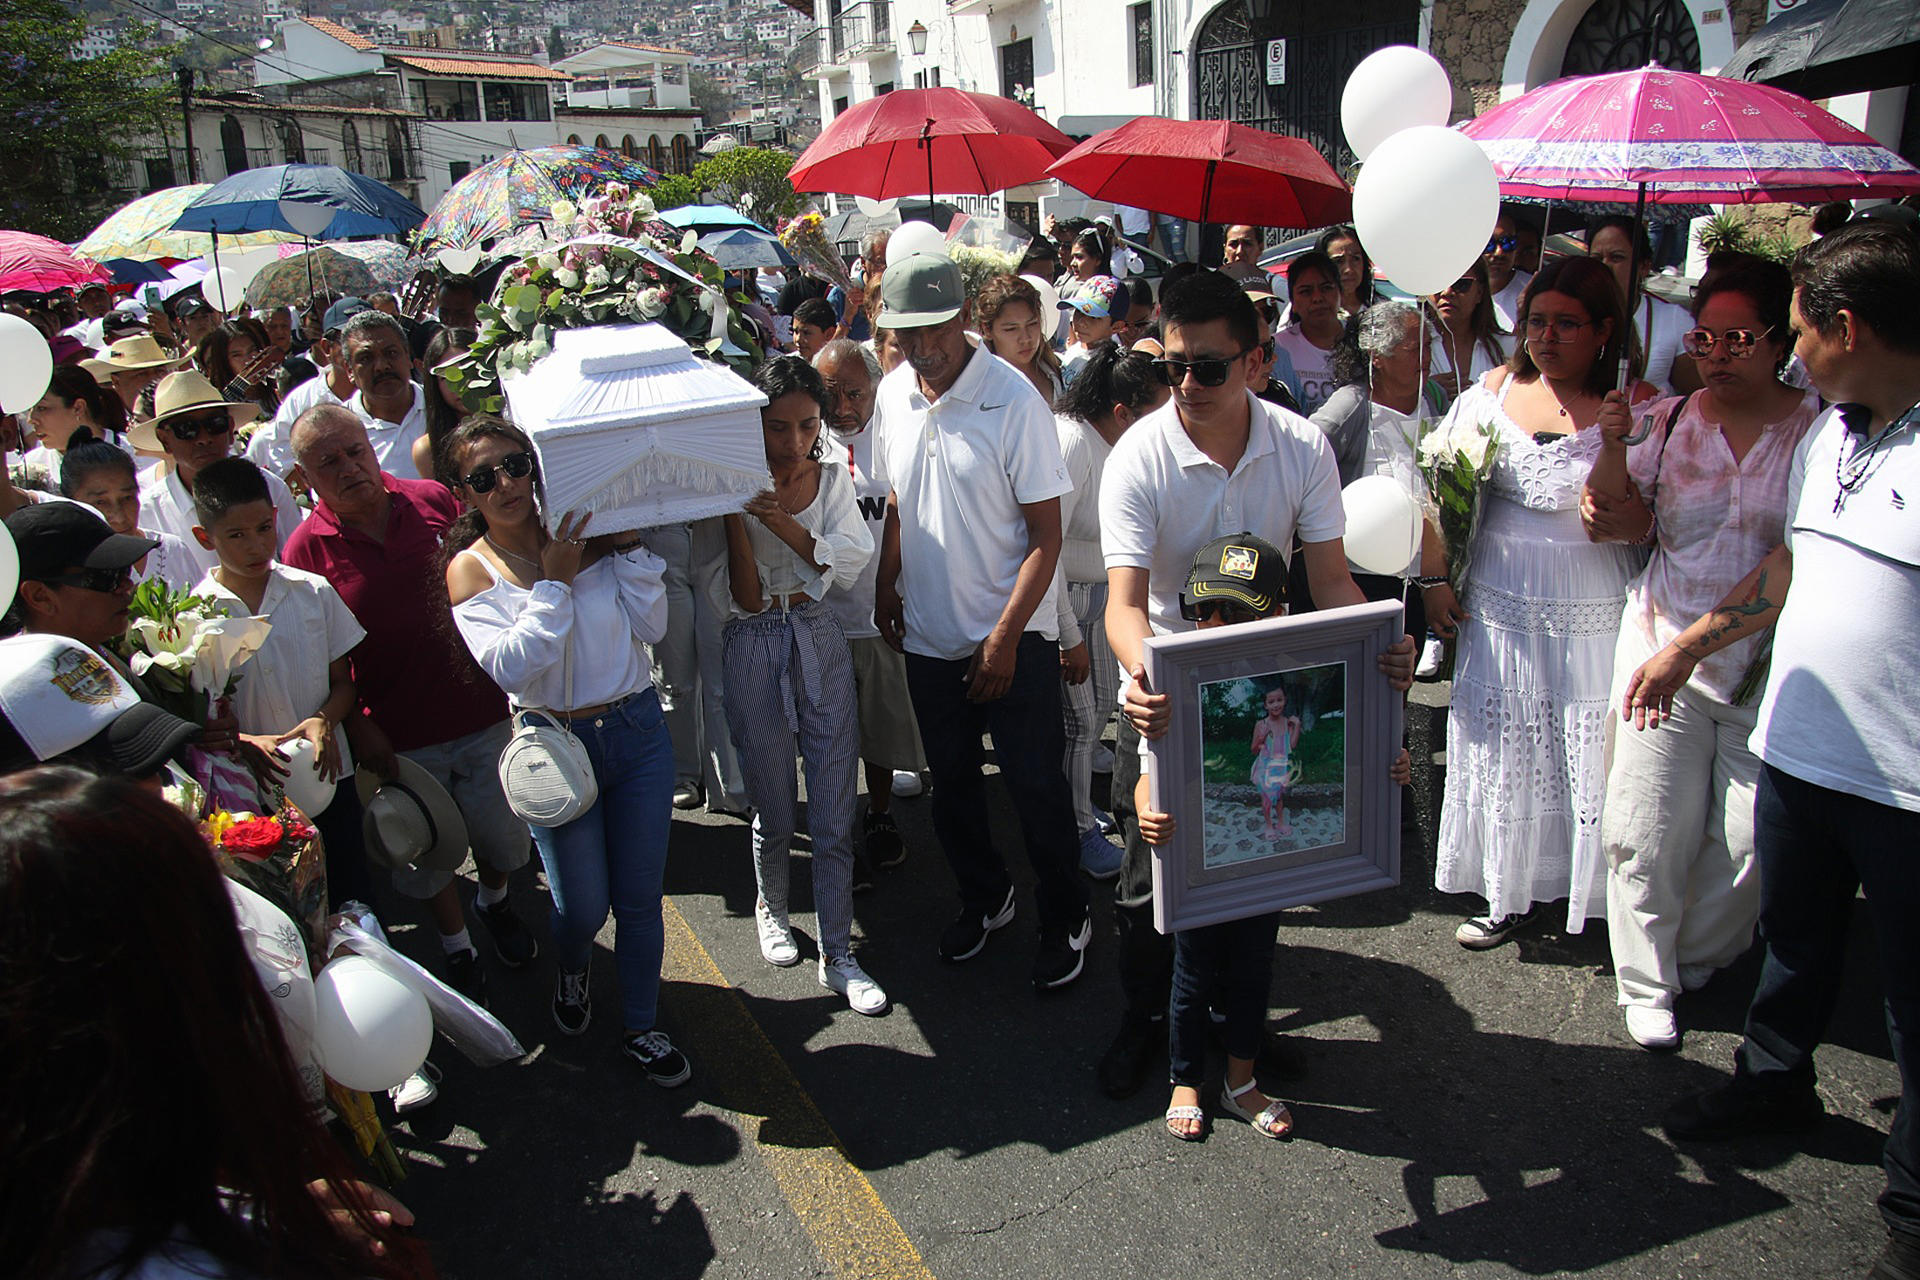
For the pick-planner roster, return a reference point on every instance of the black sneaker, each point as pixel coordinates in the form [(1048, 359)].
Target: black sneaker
[(465, 975), (1900, 1260), (885, 848), (572, 1005), (1124, 1066), (963, 939), (1739, 1108), (862, 872), (1482, 932), (512, 939), (665, 1065), (1062, 955)]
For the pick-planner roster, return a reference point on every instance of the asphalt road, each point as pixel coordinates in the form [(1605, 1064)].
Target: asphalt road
[(1457, 1113)]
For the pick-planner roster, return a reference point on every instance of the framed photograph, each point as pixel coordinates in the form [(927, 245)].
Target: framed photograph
[(1274, 766)]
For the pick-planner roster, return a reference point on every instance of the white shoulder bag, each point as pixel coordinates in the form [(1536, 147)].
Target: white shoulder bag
[(545, 770)]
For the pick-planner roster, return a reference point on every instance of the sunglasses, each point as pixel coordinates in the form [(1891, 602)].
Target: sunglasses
[(1463, 285), (518, 466), (1208, 373), (187, 430), (1506, 243), (104, 581), (1230, 611), (1739, 342)]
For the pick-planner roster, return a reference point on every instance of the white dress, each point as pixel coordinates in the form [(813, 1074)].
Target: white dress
[(1526, 771)]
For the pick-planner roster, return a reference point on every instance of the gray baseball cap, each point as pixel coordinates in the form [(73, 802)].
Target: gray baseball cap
[(926, 289)]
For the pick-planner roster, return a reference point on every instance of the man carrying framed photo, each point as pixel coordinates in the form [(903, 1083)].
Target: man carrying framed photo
[(1214, 461)]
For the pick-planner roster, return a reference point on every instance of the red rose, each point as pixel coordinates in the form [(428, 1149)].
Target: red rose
[(255, 837)]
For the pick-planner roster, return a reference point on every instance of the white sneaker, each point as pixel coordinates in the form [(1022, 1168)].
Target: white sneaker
[(1432, 653), (1695, 976), (1652, 1028), (844, 974), (907, 783), (416, 1091), (776, 939)]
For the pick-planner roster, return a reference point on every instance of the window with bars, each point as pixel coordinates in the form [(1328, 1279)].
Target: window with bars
[(1142, 15), (1016, 70)]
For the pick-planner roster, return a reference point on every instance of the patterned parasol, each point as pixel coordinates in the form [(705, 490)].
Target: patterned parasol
[(385, 260), (142, 230), (505, 194), (286, 283)]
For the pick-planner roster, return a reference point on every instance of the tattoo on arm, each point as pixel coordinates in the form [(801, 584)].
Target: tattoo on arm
[(1728, 619)]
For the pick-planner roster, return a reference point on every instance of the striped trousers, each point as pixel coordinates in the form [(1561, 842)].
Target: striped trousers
[(1089, 704)]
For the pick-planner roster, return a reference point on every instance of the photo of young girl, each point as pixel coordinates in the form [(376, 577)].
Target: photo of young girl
[(1280, 788)]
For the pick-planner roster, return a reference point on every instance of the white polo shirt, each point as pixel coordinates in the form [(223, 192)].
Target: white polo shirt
[(960, 468), (1839, 710), (393, 441), (1162, 499), (852, 605), (167, 506), (1506, 303), (271, 446)]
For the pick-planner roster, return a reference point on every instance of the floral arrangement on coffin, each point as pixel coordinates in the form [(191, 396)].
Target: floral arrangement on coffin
[(280, 857), (1455, 462), (805, 237), (610, 262)]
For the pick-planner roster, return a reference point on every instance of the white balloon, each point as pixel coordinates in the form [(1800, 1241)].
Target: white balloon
[(1049, 301), (226, 288), (306, 219), (372, 1031), (1424, 206), (1398, 87), (9, 563), (874, 208), (461, 262), (1383, 525), (26, 365), (304, 785), (910, 238)]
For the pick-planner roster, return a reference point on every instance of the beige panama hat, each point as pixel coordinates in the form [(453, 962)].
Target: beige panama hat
[(181, 393), (140, 351), (410, 821)]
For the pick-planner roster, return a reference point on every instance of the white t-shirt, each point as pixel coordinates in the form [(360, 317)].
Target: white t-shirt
[(1478, 359), (393, 441), (167, 507), (286, 681), (1085, 452), (1312, 368), (1162, 499), (1506, 303), (1839, 710), (1667, 324), (960, 469), (852, 604), (271, 446)]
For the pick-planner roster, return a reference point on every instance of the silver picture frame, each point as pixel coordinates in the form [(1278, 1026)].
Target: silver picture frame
[(1212, 871)]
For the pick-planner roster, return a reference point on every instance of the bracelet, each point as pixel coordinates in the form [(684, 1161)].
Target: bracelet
[(1428, 583)]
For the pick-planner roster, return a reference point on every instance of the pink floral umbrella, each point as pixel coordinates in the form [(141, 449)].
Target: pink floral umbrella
[(1673, 137), (35, 264)]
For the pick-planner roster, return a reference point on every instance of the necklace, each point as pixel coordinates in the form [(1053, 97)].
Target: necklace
[(1852, 468), (511, 555), (1582, 394)]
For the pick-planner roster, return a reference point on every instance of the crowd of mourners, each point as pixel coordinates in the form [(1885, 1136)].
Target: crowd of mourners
[(1678, 659)]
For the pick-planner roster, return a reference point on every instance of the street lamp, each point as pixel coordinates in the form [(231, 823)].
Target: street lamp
[(917, 38), (1259, 12)]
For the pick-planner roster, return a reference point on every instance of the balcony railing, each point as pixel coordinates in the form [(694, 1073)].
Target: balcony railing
[(867, 30)]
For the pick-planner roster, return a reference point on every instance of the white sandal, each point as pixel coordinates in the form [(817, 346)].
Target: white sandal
[(1275, 1112), (1187, 1113)]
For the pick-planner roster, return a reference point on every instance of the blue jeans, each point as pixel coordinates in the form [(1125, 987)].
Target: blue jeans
[(1231, 964), (1816, 848), (1173, 235), (615, 854), (1029, 737)]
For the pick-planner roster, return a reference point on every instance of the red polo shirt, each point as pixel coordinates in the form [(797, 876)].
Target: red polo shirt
[(414, 676)]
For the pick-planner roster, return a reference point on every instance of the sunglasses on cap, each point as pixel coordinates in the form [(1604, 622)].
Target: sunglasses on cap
[(1699, 343), (188, 429), (1230, 611), (1502, 242), (518, 466), (1208, 373), (104, 581)]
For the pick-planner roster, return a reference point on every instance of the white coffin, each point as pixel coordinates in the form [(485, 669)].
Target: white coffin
[(629, 424)]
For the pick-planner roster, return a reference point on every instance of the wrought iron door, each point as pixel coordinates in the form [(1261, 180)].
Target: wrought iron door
[(1623, 35), (1324, 44)]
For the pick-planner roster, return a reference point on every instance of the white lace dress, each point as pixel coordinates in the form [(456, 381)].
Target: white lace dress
[(1526, 772)]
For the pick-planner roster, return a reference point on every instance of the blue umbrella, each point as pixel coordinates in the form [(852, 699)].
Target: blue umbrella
[(251, 201), (708, 217), (133, 271), (745, 247)]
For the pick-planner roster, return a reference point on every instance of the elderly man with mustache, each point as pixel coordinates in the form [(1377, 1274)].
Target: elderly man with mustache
[(392, 405)]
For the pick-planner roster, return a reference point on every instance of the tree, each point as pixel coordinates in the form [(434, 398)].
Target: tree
[(556, 45), (710, 98), (674, 190), (750, 171)]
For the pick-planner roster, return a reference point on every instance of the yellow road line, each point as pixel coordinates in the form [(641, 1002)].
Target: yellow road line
[(849, 1224)]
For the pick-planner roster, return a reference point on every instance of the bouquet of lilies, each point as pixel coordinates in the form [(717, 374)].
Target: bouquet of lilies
[(1455, 460), (186, 649)]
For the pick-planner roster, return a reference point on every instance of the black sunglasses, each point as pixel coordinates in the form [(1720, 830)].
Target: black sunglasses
[(104, 581), (187, 430), (1208, 373), (517, 465), (1208, 610), (1463, 285)]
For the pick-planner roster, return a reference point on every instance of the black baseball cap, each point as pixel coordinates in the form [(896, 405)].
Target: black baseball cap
[(340, 312), (56, 537), (1240, 569)]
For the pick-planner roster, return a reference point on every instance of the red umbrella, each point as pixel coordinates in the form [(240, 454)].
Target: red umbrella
[(918, 141), (35, 264), (1208, 171)]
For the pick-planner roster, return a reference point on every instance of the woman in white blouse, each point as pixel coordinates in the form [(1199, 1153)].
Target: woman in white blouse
[(1620, 243), (789, 673), (558, 621), (1708, 488)]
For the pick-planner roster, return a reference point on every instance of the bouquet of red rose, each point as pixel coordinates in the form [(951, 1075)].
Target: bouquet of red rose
[(281, 858)]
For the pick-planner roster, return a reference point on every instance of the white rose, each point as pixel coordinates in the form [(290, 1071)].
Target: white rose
[(548, 262), (652, 302), (642, 207), (567, 278), (597, 277), (564, 211)]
